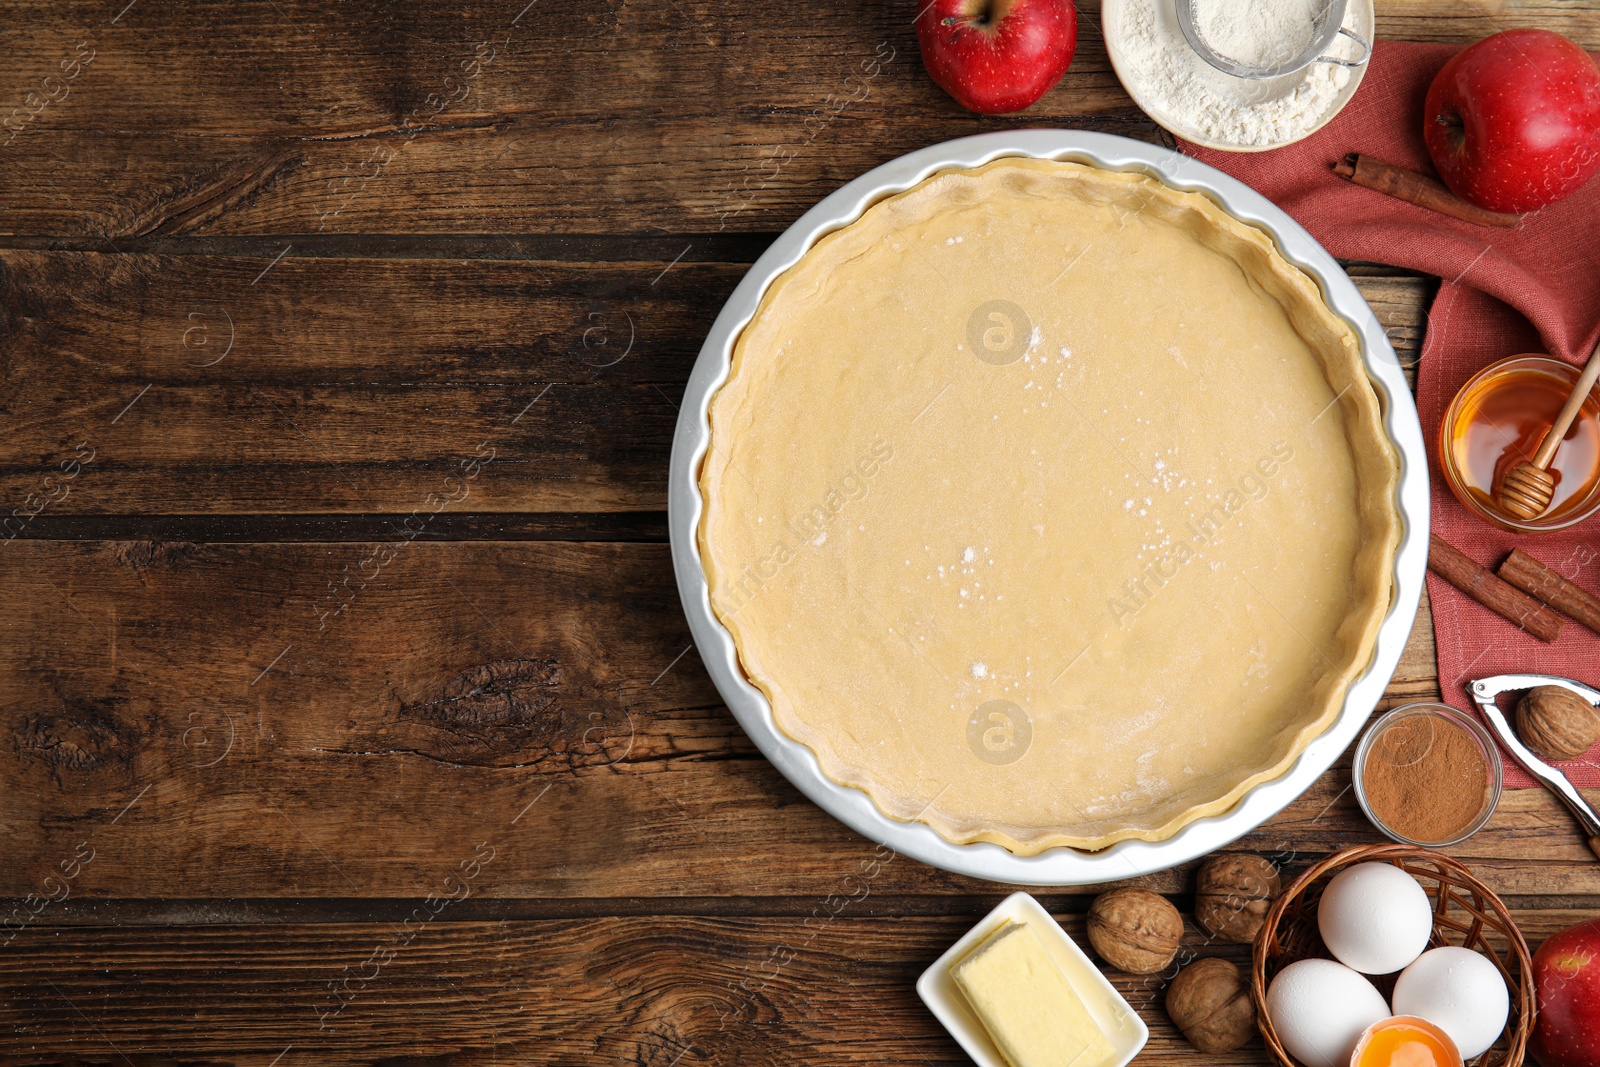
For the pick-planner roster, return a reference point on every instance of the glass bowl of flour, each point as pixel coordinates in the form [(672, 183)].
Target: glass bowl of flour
[(1202, 104)]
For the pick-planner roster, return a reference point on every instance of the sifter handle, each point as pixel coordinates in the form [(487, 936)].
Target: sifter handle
[(1366, 51)]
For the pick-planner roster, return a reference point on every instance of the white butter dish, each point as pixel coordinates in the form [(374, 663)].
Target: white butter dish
[(1115, 1017)]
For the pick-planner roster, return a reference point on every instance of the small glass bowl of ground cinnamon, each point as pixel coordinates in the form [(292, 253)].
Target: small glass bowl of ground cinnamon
[(1427, 775)]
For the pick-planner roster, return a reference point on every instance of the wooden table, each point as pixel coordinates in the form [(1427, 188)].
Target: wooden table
[(349, 712)]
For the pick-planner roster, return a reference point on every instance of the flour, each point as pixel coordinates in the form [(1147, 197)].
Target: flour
[(1169, 80), (1258, 34)]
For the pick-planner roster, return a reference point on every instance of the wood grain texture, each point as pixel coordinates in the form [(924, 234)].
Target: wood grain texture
[(273, 745), (653, 991), (285, 117), (695, 118), (291, 774), (209, 385)]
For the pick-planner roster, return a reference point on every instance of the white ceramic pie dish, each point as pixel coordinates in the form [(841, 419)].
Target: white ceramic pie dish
[(1059, 866)]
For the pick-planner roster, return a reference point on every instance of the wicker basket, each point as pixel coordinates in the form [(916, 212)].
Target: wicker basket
[(1465, 912)]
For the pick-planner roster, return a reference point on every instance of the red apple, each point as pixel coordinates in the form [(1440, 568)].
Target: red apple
[(996, 55), (1566, 973), (1513, 122)]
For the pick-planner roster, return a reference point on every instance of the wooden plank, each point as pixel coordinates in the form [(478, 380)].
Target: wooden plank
[(1472, 20), (213, 385), (206, 385), (649, 990), (663, 119), (208, 722), (689, 118), (650, 526), (320, 321), (1401, 306)]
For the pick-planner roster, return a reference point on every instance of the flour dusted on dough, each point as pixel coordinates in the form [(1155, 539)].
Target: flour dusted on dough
[(1171, 79), (1030, 628)]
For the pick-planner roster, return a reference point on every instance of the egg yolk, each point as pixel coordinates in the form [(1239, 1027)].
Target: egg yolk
[(1405, 1042)]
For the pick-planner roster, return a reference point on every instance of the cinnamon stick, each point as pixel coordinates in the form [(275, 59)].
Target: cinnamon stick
[(1418, 189), (1480, 583), (1531, 576)]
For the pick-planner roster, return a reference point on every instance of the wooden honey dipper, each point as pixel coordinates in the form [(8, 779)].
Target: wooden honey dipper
[(1527, 488)]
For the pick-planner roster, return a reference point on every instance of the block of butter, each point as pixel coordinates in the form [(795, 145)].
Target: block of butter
[(1032, 1013)]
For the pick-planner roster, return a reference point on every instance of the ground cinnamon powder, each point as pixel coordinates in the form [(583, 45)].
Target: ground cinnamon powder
[(1426, 778)]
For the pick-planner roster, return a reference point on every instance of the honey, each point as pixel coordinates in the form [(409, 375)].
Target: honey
[(1499, 420), (1405, 1041)]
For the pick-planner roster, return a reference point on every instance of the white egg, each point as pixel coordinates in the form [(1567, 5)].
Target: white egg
[(1459, 991), (1375, 918), (1319, 1009)]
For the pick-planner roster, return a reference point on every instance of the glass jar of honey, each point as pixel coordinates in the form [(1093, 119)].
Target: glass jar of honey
[(1499, 418)]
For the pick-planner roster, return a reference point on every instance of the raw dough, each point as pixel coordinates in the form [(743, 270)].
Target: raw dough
[(1049, 506)]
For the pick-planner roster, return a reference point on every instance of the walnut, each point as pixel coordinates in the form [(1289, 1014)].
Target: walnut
[(1135, 930), (1210, 1002), (1233, 894), (1557, 723)]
